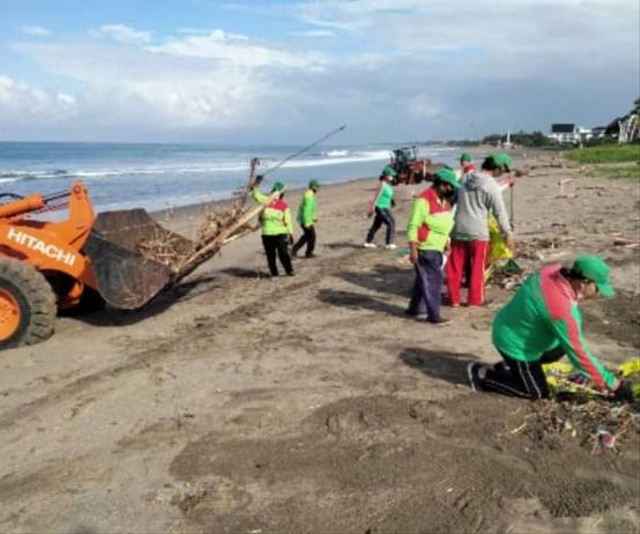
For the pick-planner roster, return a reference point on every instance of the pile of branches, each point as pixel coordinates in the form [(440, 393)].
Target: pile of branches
[(216, 228), (597, 423), (530, 252), (580, 411), (164, 249), (214, 222)]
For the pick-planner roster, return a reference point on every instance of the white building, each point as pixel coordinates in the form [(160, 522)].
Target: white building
[(569, 133)]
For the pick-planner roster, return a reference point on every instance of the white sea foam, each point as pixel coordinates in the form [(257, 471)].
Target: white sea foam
[(155, 176), (334, 157)]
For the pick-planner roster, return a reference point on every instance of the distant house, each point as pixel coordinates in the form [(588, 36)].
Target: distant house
[(569, 133)]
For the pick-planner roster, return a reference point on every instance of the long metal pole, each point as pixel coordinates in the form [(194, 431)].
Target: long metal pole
[(302, 150)]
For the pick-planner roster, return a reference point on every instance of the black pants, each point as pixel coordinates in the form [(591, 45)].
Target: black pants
[(308, 237), (522, 379), (383, 216), (277, 244)]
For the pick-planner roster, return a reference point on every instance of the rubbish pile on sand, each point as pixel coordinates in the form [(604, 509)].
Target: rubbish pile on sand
[(596, 423), (579, 410)]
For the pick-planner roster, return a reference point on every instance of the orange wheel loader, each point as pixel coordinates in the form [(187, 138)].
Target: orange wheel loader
[(73, 265)]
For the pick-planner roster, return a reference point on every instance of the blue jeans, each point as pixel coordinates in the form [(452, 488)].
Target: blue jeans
[(427, 288)]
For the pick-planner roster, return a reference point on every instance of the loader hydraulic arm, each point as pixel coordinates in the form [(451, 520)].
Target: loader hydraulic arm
[(22, 206)]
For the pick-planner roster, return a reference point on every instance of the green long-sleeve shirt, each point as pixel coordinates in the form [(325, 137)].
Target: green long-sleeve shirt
[(308, 210), (542, 315)]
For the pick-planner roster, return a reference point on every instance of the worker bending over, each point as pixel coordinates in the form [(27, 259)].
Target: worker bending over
[(542, 323), (275, 221), (478, 196)]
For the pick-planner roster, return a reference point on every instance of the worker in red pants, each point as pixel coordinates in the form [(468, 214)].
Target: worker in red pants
[(478, 196)]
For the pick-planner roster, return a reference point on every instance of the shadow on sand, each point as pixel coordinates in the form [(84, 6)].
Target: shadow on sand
[(383, 279), (182, 292), (358, 301), (443, 365)]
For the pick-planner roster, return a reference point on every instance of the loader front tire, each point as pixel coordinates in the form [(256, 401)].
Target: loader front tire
[(27, 305)]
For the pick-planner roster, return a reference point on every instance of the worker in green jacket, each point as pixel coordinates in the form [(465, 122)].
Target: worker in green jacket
[(430, 224), (542, 323), (381, 206), (307, 218), (277, 231)]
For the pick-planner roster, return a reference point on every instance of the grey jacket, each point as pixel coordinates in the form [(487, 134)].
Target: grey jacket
[(479, 196)]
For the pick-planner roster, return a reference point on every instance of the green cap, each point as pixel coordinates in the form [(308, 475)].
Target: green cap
[(594, 268), (314, 182), (448, 176), (388, 171), (501, 160), (465, 158), (278, 186)]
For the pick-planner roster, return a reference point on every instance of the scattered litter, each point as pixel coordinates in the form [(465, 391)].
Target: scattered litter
[(581, 411), (604, 440)]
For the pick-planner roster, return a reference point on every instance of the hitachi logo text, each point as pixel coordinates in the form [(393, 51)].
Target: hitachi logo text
[(38, 245)]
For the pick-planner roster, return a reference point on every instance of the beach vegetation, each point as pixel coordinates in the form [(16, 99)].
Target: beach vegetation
[(608, 153), (618, 162)]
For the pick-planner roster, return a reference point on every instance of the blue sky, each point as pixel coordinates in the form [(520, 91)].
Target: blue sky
[(284, 71)]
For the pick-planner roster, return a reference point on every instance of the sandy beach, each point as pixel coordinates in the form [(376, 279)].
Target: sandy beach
[(239, 403)]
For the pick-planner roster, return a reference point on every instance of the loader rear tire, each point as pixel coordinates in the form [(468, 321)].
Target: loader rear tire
[(27, 305)]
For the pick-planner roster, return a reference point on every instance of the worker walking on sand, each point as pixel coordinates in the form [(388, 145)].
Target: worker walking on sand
[(478, 197), (381, 205), (542, 323), (307, 219), (430, 224), (275, 221)]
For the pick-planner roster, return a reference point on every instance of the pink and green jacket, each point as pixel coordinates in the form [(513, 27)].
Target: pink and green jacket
[(430, 222), (276, 216), (542, 315)]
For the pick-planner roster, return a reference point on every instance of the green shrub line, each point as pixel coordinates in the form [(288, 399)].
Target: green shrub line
[(612, 153), (616, 162)]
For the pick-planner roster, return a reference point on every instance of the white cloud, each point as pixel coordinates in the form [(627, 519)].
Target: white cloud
[(121, 34), (238, 49), (423, 107), (35, 31), (158, 89), (22, 102), (313, 33), (425, 69)]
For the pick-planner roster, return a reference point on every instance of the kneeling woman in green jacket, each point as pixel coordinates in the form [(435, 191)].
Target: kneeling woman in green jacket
[(542, 323), (276, 228)]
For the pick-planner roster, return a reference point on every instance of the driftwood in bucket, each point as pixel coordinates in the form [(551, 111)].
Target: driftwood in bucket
[(217, 228)]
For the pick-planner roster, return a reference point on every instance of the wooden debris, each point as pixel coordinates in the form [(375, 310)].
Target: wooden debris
[(586, 420), (625, 242), (217, 228)]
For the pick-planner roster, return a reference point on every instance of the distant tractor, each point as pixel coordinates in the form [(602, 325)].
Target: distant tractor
[(410, 168)]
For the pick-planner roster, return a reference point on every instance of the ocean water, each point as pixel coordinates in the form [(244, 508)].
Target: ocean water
[(158, 176)]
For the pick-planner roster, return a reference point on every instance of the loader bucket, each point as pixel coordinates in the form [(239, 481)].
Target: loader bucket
[(125, 278)]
